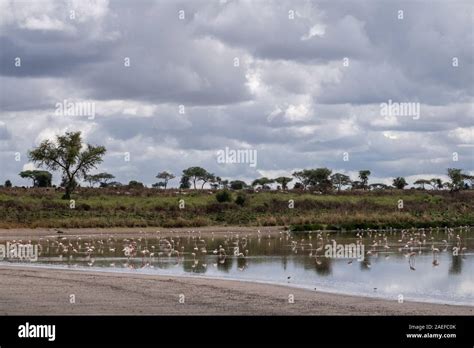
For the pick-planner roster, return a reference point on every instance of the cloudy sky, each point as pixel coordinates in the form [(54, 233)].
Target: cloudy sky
[(300, 82)]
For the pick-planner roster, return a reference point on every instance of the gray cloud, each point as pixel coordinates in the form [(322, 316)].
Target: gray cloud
[(290, 97)]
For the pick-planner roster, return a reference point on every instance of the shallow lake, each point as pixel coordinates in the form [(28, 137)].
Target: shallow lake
[(434, 265)]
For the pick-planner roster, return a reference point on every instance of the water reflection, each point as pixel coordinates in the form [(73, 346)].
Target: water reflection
[(423, 264)]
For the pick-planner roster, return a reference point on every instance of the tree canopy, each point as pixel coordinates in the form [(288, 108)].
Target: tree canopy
[(399, 183), (165, 177), (457, 178), (68, 155), (263, 182), (238, 185), (283, 181), (339, 180), (41, 178), (364, 178), (196, 174), (101, 178)]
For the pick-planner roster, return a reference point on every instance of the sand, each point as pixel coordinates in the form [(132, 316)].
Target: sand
[(40, 291)]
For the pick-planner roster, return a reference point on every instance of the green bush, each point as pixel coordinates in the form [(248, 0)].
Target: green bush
[(223, 196), (240, 200)]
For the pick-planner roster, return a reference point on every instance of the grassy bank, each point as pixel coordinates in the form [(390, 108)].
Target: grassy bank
[(32, 208)]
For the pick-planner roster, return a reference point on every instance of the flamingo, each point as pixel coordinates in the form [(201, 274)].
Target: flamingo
[(411, 261), (435, 257)]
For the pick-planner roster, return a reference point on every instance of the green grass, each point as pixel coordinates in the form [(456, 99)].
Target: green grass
[(150, 207)]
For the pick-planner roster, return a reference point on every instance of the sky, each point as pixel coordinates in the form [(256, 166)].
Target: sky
[(302, 84)]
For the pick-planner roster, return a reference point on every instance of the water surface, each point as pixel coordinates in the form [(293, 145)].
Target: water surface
[(433, 265)]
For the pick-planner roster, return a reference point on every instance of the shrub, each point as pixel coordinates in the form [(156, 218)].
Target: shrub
[(240, 200), (223, 196)]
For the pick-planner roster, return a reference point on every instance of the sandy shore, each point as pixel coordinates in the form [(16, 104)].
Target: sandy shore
[(126, 232), (35, 291)]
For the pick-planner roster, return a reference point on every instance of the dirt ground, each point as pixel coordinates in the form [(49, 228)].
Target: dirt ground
[(40, 291)]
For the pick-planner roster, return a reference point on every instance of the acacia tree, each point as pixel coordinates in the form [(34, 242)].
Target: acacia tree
[(41, 178), (222, 183), (422, 183), (319, 179), (303, 177), (184, 182), (378, 186), (283, 181), (133, 184), (68, 155), (217, 182), (263, 182), (338, 180), (101, 178), (456, 177), (165, 176), (437, 183), (399, 183), (195, 174), (208, 177), (91, 179), (364, 178), (315, 178), (238, 185)]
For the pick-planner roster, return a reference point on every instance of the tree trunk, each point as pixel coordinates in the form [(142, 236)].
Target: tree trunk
[(69, 188), (67, 194)]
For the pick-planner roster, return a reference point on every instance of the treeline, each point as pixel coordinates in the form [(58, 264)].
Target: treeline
[(75, 162), (319, 179)]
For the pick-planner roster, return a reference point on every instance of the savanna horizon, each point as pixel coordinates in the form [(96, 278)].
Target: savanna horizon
[(173, 208), (320, 199)]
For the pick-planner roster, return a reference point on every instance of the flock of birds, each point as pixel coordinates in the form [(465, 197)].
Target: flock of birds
[(143, 248), (193, 246), (412, 242)]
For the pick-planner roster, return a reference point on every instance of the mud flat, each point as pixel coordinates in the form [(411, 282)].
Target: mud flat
[(42, 291)]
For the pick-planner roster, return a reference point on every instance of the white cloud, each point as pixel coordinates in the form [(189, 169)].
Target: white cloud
[(296, 112), (316, 30), (291, 97), (43, 23)]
